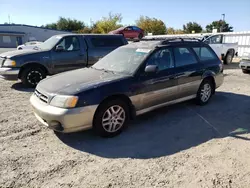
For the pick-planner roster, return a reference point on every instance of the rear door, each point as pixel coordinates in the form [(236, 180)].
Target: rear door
[(188, 71), (100, 46), (72, 54)]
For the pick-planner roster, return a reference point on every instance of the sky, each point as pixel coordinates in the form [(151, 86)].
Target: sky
[(174, 13)]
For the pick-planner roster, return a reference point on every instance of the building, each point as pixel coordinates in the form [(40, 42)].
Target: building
[(12, 35)]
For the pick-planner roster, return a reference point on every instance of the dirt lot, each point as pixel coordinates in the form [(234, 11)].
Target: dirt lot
[(180, 146)]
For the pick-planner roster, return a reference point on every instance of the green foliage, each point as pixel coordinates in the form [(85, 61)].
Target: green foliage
[(151, 25), (66, 24), (107, 24), (172, 31), (192, 26), (50, 26), (220, 26)]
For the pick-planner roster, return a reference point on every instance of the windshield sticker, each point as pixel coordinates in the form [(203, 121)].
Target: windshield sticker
[(143, 50)]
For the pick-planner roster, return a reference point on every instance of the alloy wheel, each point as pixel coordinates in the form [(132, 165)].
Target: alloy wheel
[(206, 92), (113, 118), (34, 77)]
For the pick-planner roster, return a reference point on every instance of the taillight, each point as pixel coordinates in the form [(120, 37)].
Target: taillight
[(221, 67)]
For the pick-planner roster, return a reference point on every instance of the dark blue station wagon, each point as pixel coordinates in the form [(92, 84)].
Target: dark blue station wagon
[(131, 80)]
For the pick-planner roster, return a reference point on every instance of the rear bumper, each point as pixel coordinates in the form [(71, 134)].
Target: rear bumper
[(245, 64), (9, 73), (219, 80), (63, 120)]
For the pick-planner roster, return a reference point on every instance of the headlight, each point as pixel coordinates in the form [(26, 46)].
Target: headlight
[(9, 63), (64, 101)]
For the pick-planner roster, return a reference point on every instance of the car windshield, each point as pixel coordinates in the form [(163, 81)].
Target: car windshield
[(122, 60), (49, 43)]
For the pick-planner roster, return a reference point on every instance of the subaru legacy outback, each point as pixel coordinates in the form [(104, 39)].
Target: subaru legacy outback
[(131, 80)]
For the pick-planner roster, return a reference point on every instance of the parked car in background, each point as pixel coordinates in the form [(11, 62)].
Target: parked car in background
[(131, 80), (57, 54), (131, 32), (245, 63), (225, 51), (29, 45)]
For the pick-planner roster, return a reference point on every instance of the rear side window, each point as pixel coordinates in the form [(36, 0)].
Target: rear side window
[(204, 53), (106, 42), (183, 56)]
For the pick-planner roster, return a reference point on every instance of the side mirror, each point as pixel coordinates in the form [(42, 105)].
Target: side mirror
[(151, 68), (59, 48)]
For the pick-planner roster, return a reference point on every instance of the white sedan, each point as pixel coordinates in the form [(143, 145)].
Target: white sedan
[(29, 45)]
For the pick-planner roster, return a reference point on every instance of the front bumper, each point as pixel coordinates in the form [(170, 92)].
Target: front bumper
[(63, 120), (245, 64), (9, 73)]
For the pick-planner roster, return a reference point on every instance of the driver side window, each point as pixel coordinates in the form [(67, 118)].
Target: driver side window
[(163, 58), (70, 44), (217, 39)]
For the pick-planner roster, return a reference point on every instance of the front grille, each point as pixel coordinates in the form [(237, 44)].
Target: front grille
[(41, 96)]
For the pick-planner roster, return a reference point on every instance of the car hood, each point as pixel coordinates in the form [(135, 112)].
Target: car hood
[(14, 53), (73, 82)]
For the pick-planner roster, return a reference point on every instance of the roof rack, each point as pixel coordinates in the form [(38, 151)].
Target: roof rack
[(165, 40)]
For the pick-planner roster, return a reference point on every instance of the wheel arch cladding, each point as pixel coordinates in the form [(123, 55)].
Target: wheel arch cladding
[(231, 50), (122, 97), (212, 80), (33, 64)]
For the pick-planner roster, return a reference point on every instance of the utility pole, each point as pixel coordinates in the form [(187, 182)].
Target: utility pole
[(223, 22), (9, 18)]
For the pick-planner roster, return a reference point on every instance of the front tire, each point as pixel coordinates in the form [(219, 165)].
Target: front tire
[(245, 71), (31, 76), (229, 58), (205, 92), (111, 118), (140, 36)]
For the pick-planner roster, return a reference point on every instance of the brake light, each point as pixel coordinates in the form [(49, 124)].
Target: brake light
[(221, 67)]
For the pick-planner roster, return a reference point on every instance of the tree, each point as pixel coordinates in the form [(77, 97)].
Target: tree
[(50, 26), (66, 24), (107, 24), (192, 26), (172, 31), (220, 26), (151, 25)]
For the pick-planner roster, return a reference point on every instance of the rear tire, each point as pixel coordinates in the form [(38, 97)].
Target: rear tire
[(245, 71), (205, 92), (229, 58), (111, 118), (31, 76), (140, 36)]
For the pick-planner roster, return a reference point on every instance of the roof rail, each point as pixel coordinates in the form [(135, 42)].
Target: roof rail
[(168, 39)]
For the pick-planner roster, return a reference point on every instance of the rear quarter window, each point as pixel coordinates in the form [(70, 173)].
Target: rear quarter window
[(103, 42), (204, 53)]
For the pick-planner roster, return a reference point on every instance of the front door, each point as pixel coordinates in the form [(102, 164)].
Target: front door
[(188, 71), (67, 55), (215, 42), (128, 32), (159, 87)]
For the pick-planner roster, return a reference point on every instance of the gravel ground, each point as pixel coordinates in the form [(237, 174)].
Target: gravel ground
[(179, 146)]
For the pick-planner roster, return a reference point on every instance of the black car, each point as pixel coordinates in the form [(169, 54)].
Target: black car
[(131, 80)]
